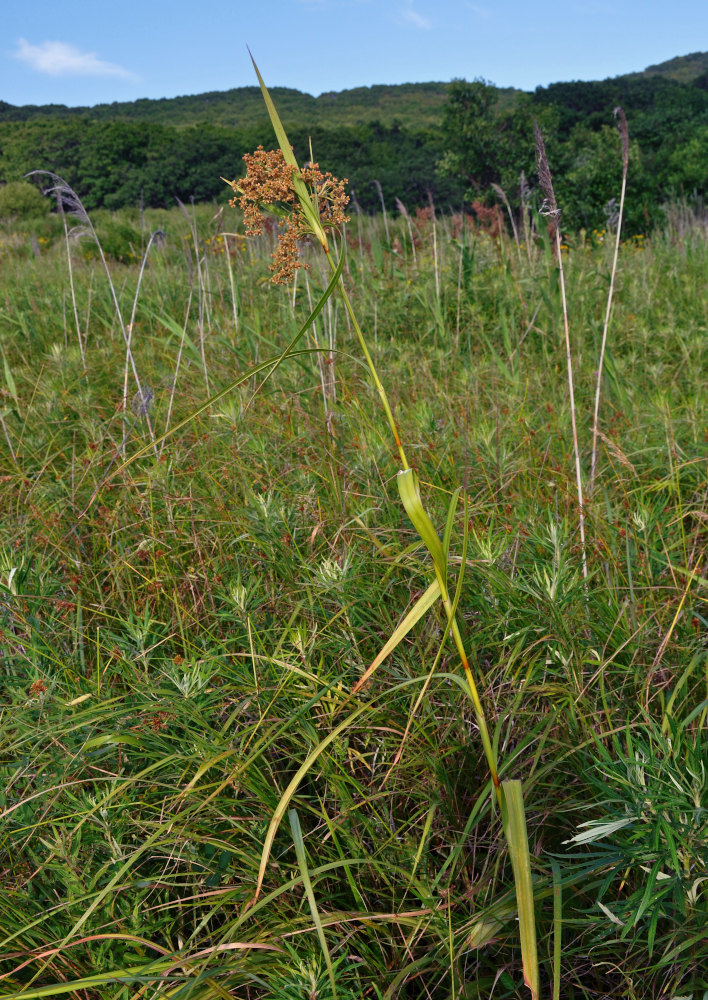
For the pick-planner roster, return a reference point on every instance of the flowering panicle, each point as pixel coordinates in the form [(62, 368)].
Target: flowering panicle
[(624, 134), (550, 205), (268, 183)]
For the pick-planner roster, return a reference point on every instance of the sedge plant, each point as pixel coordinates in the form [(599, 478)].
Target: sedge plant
[(311, 204), (185, 711)]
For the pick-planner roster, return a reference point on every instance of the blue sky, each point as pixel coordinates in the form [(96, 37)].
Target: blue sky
[(79, 52)]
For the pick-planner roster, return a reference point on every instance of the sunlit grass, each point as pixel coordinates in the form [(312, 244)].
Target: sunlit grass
[(173, 653)]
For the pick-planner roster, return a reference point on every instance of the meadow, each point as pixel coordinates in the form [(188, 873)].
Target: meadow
[(183, 631)]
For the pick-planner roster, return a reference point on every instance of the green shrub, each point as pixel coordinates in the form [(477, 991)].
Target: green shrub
[(20, 200), (120, 241)]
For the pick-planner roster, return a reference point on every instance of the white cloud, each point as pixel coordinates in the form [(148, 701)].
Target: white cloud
[(417, 20), (60, 59)]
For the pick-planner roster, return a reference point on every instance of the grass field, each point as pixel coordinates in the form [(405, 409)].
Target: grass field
[(181, 635)]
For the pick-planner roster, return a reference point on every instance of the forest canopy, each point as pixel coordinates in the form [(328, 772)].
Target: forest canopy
[(451, 143)]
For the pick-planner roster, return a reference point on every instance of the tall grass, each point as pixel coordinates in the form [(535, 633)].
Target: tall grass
[(181, 655), (624, 138)]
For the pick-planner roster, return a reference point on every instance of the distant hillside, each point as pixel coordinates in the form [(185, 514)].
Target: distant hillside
[(414, 142), (409, 104), (683, 69)]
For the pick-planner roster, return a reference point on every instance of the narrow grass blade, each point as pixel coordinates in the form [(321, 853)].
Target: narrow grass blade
[(287, 795), (177, 330), (287, 151), (309, 892), (423, 604), (334, 281), (557, 926), (9, 378), (624, 135), (700, 709), (154, 970), (423, 840), (409, 491), (284, 887), (518, 841), (450, 522)]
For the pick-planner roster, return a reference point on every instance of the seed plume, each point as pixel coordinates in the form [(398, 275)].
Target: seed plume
[(624, 135), (550, 205)]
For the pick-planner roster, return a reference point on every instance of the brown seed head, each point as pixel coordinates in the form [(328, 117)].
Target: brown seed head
[(624, 135), (269, 184)]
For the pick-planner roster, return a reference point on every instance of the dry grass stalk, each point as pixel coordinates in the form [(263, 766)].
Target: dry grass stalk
[(406, 215), (550, 208), (501, 193), (69, 203), (624, 137)]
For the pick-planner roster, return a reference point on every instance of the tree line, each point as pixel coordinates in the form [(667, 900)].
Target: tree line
[(484, 138)]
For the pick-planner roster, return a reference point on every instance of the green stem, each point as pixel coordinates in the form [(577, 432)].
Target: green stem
[(447, 603), (476, 700), (370, 362)]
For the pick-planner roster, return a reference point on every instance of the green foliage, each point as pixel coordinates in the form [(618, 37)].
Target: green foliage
[(116, 164), (485, 141), (449, 142), (651, 788), (20, 200), (686, 164), (685, 69), (295, 977), (174, 652), (408, 104), (589, 180)]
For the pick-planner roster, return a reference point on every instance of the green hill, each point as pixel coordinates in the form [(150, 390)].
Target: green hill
[(683, 69), (409, 104), (412, 141)]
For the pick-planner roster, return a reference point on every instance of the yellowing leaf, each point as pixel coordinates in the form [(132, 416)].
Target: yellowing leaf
[(424, 602)]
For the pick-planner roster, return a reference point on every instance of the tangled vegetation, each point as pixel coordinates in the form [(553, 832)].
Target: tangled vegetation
[(184, 632)]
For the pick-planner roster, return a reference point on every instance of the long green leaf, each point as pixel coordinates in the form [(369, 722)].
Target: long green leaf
[(9, 379), (287, 151), (299, 843), (449, 524), (154, 970), (517, 838), (287, 795), (557, 927), (112, 739), (334, 280), (424, 602), (409, 490)]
